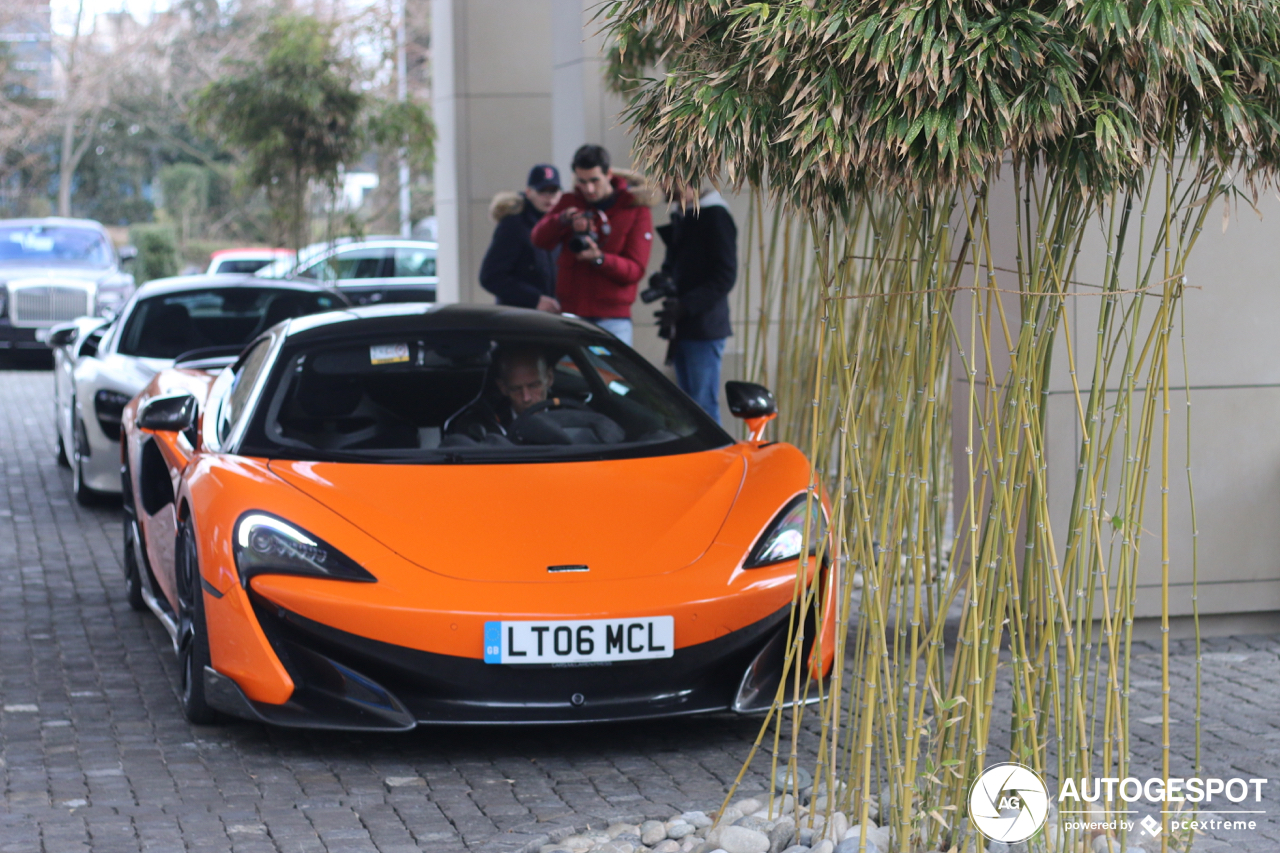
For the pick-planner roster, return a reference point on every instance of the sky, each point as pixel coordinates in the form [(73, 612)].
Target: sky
[(64, 11)]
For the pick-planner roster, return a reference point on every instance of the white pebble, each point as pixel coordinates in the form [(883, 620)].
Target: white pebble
[(836, 827), (739, 839), (651, 832)]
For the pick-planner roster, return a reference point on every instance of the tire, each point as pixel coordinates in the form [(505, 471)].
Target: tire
[(61, 452), (85, 496), (132, 571), (193, 637), (132, 544)]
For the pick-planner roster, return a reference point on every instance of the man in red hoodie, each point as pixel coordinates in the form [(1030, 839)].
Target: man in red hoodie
[(605, 232)]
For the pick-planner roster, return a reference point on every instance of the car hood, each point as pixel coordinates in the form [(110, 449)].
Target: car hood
[(622, 518)]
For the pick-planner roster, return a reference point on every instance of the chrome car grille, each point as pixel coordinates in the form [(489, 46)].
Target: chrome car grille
[(43, 304)]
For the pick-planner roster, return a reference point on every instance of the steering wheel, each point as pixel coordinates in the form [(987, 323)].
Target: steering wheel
[(536, 426), (551, 404)]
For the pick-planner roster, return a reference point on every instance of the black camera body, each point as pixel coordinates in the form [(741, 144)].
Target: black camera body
[(579, 241), (661, 286)]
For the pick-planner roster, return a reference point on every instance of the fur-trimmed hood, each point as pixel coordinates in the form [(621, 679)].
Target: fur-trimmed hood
[(506, 204), (642, 190), (643, 194)]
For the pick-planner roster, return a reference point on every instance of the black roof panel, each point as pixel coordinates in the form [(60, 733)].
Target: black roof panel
[(412, 317)]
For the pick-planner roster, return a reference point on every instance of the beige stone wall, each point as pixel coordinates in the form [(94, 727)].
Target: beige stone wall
[(1233, 359)]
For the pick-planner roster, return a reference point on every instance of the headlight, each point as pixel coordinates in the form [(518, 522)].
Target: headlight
[(108, 406), (783, 539), (265, 544)]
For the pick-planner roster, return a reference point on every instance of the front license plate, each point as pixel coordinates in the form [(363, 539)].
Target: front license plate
[(581, 641)]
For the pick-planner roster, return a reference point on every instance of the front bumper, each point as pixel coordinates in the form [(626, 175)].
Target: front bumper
[(19, 337), (343, 681)]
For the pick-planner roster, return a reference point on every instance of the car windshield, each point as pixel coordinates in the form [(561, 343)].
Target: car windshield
[(169, 325), (59, 245), (462, 396)]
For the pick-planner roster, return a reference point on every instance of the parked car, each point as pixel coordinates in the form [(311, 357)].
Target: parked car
[(246, 260), (99, 364), (386, 269), (284, 267), (54, 270), (331, 544)]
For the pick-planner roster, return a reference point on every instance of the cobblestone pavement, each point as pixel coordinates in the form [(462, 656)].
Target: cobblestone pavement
[(95, 755)]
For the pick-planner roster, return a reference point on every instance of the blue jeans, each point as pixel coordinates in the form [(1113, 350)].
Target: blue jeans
[(697, 366), (619, 327)]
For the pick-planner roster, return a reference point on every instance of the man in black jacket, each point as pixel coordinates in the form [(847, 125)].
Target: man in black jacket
[(514, 270), (701, 265)]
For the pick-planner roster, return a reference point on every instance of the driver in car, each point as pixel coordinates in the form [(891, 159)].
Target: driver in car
[(523, 380)]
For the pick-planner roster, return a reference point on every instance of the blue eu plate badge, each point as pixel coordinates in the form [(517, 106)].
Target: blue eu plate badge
[(579, 640)]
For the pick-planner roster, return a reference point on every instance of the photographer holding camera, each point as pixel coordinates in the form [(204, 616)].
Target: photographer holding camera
[(605, 232), (694, 283)]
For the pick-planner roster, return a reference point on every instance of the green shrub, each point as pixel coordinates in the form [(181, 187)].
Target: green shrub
[(157, 252)]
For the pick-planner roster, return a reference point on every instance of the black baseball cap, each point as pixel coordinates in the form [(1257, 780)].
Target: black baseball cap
[(543, 177)]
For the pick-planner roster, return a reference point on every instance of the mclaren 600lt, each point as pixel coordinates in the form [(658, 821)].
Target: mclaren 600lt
[(409, 514)]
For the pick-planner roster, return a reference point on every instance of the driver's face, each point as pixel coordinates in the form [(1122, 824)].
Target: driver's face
[(525, 384)]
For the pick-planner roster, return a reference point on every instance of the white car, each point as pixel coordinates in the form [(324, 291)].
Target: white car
[(199, 321), (226, 261), (377, 269)]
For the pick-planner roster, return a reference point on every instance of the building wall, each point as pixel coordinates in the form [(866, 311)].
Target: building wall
[(1233, 373), (26, 36)]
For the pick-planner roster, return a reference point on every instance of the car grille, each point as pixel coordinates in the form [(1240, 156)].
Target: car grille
[(32, 306)]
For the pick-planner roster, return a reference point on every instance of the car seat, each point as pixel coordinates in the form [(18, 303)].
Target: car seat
[(168, 332)]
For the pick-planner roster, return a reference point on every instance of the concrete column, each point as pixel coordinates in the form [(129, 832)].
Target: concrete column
[(492, 100)]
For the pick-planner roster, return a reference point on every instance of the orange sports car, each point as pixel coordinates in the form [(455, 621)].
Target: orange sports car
[(409, 514)]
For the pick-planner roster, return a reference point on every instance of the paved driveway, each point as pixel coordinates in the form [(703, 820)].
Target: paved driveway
[(95, 755)]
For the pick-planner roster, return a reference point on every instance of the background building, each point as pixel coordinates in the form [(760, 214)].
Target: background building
[(26, 49)]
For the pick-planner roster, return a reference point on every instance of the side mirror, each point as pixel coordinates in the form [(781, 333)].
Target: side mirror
[(749, 400), (63, 336), (169, 413), (753, 403), (127, 254)]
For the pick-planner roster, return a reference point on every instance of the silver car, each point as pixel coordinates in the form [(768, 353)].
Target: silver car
[(385, 269), (53, 270), (199, 321)]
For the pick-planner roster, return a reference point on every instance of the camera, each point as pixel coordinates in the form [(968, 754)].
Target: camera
[(584, 230), (661, 286)]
